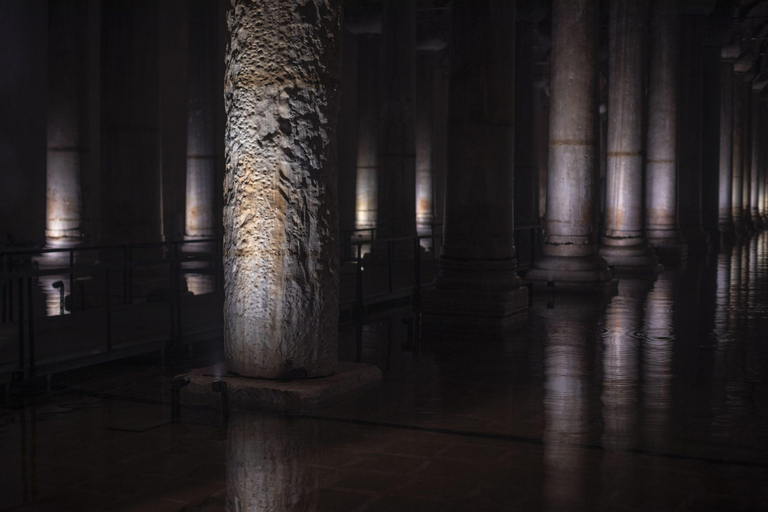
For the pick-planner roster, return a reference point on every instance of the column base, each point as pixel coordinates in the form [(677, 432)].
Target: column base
[(758, 222), (295, 396), (631, 260), (589, 275), (462, 312)]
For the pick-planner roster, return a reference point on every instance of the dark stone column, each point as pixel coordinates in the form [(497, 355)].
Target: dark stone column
[(478, 284), (201, 142), (280, 208), (348, 131), (690, 133), (368, 98), (23, 56), (710, 178), (131, 176), (624, 245), (397, 140), (763, 156), (68, 136), (756, 163), (661, 153), (569, 255), (740, 117), (728, 56)]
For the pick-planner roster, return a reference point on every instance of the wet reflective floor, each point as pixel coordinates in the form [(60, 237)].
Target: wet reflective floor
[(655, 399)]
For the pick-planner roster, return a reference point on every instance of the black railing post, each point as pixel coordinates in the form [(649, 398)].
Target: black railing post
[(389, 264), (360, 304), (416, 295), (71, 280), (31, 326), (21, 325), (107, 292)]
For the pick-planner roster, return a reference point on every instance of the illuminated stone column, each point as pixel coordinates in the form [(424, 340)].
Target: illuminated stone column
[(740, 107), (691, 133), (424, 127), (368, 98), (201, 143), (624, 246), (280, 205), (728, 56), (478, 283), (67, 118), (757, 163), (569, 254), (397, 139), (661, 153)]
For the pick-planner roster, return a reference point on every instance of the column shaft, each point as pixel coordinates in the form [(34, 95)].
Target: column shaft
[(424, 128), (201, 143), (280, 204), (569, 254), (67, 118), (690, 134), (763, 156), (746, 173), (739, 116), (478, 284), (726, 140), (711, 141), (131, 187), (661, 153), (623, 242), (397, 140), (368, 97), (756, 156)]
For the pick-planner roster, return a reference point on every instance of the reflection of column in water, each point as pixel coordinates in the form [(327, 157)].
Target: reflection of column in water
[(657, 358), (750, 301), (745, 281), (269, 464), (729, 378), (569, 331), (620, 359)]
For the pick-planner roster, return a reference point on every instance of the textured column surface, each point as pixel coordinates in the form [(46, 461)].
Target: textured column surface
[(746, 151), (67, 118), (367, 132), (756, 162), (623, 243), (478, 279), (740, 105), (201, 143), (569, 253), (280, 205), (690, 133), (661, 153), (397, 139), (728, 56)]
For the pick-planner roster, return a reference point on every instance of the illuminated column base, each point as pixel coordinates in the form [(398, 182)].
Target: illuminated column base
[(281, 256)]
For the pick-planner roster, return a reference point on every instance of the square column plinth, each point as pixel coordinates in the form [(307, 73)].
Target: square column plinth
[(283, 396)]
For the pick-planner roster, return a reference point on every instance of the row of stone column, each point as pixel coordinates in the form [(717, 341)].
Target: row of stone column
[(112, 62)]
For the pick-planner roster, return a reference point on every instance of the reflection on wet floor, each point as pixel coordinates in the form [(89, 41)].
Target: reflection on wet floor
[(655, 399)]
